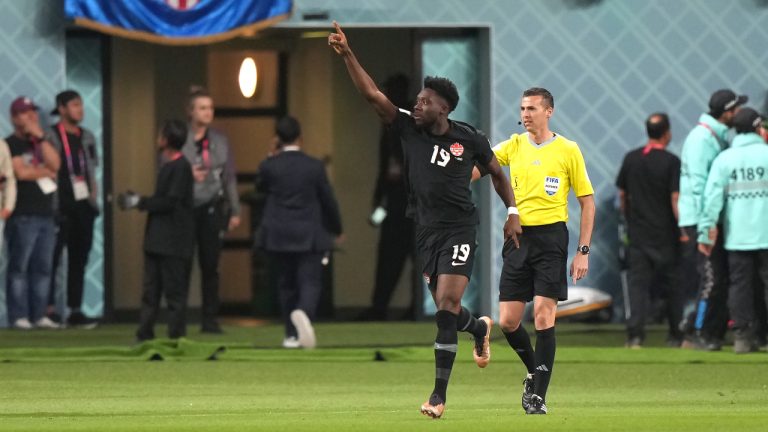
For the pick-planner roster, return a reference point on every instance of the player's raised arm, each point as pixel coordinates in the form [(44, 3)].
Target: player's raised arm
[(384, 108)]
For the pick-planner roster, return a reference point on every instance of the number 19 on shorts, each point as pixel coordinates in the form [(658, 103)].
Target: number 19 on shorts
[(460, 254)]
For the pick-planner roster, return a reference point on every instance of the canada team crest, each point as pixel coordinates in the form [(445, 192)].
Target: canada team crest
[(551, 185), (457, 149)]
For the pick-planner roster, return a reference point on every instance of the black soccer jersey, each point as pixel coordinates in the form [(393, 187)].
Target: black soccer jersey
[(439, 170)]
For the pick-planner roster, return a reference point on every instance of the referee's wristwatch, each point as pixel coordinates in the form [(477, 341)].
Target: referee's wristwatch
[(583, 249)]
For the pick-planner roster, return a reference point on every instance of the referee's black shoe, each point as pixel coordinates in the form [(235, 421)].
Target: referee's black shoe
[(537, 406), (527, 391)]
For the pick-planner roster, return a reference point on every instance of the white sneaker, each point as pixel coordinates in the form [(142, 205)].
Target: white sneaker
[(46, 323), (303, 326), (291, 342), (22, 324)]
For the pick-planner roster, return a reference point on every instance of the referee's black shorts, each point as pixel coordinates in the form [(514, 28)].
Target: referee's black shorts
[(538, 267), (446, 251)]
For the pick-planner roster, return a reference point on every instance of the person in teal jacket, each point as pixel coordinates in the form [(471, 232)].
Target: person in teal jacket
[(738, 182), (706, 275)]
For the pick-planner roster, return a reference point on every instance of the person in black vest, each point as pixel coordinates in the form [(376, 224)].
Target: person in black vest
[(300, 218), (77, 201), (217, 203), (648, 185), (169, 239), (390, 199)]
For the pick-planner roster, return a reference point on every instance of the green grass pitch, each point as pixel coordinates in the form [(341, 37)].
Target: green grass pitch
[(94, 380)]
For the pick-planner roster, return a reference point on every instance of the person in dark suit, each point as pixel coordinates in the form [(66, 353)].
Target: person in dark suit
[(300, 219), (169, 237)]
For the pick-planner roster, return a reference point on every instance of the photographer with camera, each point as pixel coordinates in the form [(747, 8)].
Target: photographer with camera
[(168, 240)]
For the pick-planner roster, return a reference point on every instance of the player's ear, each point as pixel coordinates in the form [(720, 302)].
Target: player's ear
[(445, 109)]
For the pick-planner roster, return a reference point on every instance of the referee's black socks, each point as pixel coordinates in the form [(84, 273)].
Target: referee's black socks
[(467, 323), (520, 341), (446, 345), (545, 359)]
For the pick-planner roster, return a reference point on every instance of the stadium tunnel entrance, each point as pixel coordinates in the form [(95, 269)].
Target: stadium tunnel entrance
[(299, 75)]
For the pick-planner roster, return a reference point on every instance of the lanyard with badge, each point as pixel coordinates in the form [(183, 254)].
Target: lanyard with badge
[(79, 184), (46, 184), (204, 161), (206, 154)]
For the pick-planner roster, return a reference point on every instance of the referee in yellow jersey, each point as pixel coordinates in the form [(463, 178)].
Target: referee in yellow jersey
[(543, 168)]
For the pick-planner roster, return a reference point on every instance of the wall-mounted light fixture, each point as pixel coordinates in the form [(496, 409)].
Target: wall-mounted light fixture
[(249, 77)]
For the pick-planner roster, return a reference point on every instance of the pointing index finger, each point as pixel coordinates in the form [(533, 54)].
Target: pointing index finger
[(337, 27)]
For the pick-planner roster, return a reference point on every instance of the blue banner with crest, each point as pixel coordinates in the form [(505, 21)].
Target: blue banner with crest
[(178, 21)]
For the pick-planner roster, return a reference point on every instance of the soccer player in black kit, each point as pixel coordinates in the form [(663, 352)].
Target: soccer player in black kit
[(439, 157)]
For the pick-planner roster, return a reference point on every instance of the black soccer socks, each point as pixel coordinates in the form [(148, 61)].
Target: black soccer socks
[(545, 359), (446, 345), (520, 341), (468, 323)]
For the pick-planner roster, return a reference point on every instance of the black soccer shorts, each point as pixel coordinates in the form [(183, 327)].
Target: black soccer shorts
[(538, 267), (446, 251)]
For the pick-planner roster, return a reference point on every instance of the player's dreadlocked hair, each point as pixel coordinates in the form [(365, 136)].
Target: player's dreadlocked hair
[(445, 88)]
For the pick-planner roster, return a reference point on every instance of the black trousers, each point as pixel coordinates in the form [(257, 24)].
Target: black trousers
[(689, 264), (209, 227), (164, 276), (648, 264), (761, 311), (75, 224), (712, 273), (300, 283), (741, 295), (396, 245)]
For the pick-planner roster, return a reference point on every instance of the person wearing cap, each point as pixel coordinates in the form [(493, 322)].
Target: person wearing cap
[(738, 183), (30, 231), (703, 143), (648, 190), (217, 202), (77, 201)]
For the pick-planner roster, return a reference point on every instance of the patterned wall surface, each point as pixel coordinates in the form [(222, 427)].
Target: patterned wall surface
[(32, 59), (609, 63)]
